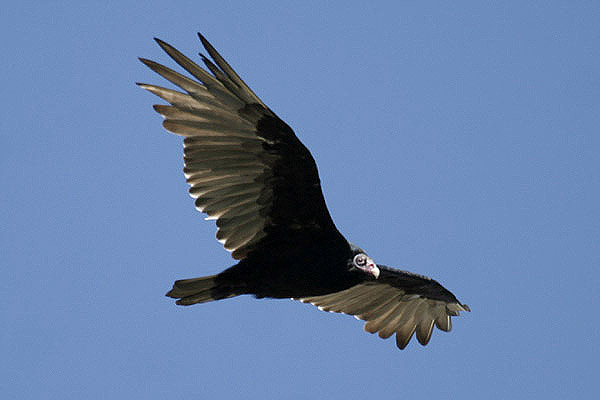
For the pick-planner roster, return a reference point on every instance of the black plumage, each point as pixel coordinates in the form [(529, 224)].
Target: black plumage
[(249, 171)]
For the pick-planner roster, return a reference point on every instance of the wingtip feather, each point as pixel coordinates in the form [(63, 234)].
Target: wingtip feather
[(164, 45), (204, 41)]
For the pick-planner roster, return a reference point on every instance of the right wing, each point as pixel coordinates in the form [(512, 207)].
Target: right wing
[(397, 302)]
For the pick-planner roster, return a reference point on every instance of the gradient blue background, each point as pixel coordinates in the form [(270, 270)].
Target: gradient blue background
[(455, 139)]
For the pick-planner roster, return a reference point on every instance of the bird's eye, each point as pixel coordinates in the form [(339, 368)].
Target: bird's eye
[(360, 259)]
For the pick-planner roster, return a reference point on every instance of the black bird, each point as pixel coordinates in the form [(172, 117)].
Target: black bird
[(249, 172)]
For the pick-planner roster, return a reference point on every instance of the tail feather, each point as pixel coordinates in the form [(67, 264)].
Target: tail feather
[(198, 290)]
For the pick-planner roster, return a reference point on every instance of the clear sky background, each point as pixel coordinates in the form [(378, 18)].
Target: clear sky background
[(459, 140)]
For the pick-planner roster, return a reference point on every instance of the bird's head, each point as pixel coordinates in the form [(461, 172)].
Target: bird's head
[(362, 262)]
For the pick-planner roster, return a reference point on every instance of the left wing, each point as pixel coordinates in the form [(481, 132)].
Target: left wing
[(397, 302), (246, 167)]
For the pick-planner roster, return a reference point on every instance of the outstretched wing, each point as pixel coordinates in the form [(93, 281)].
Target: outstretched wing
[(246, 167), (397, 302)]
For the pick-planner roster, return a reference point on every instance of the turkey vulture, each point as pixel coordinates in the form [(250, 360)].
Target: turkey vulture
[(249, 172)]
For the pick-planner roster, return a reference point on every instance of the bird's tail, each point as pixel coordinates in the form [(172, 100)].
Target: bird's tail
[(199, 290)]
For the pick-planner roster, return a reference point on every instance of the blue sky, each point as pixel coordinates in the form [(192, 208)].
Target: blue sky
[(458, 140)]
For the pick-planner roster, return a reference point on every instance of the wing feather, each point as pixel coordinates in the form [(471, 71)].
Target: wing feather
[(215, 87), (381, 320), (225, 67), (184, 113), (425, 329)]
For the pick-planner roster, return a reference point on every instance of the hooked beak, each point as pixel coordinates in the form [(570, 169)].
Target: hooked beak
[(372, 269)]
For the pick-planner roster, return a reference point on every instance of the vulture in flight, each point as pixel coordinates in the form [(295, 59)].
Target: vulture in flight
[(248, 171)]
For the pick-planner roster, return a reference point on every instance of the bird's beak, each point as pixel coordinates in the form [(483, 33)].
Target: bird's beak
[(372, 269)]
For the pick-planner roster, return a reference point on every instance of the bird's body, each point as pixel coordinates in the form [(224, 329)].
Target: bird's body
[(288, 273), (249, 171)]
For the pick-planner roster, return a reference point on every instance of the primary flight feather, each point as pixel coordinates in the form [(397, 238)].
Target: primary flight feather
[(247, 170)]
